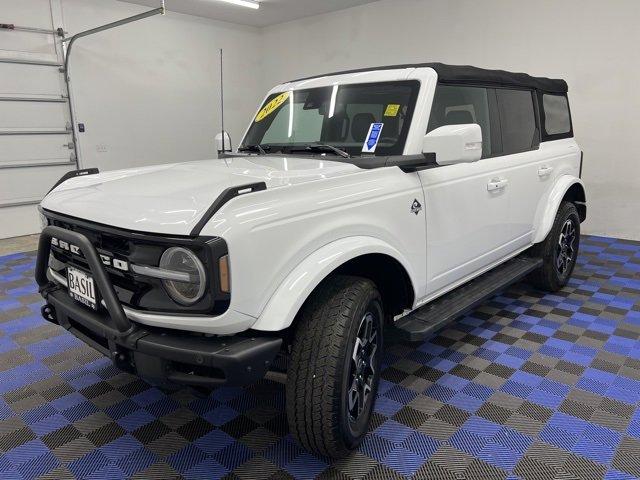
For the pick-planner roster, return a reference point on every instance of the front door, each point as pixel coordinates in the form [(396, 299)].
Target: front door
[(467, 205)]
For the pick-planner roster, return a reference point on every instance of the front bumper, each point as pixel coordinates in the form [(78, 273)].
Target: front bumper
[(160, 354)]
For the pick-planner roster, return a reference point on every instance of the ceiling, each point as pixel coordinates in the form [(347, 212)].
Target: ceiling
[(271, 12)]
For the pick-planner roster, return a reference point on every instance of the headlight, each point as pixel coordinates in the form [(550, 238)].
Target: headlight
[(178, 259)]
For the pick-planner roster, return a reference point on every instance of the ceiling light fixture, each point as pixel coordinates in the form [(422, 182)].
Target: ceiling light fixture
[(244, 3)]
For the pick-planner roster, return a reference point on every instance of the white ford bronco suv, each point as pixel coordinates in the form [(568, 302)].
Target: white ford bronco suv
[(392, 199)]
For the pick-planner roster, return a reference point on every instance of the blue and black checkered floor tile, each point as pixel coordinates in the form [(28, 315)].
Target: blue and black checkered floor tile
[(530, 386)]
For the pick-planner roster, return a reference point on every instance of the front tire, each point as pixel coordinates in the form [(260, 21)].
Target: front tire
[(559, 251), (334, 372)]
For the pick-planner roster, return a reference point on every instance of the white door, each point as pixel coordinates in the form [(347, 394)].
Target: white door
[(467, 205), (534, 166), (467, 220), (34, 114)]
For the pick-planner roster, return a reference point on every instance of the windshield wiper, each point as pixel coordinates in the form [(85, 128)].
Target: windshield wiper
[(255, 148), (321, 147)]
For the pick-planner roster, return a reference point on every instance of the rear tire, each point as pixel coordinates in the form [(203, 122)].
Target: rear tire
[(334, 371), (559, 250)]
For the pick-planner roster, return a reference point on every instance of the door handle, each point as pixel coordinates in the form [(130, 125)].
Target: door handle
[(544, 171), (497, 184)]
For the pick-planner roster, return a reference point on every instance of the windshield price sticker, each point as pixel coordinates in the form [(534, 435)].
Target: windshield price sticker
[(392, 110), (272, 106), (373, 137)]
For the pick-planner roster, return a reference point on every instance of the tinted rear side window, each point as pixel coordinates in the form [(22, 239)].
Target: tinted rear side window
[(517, 121), (557, 119)]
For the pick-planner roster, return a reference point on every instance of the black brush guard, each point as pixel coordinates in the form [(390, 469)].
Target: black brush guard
[(161, 354)]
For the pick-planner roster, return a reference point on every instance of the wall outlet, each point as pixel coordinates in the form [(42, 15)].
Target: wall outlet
[(101, 148)]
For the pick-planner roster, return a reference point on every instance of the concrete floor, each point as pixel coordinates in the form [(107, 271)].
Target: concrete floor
[(28, 243)]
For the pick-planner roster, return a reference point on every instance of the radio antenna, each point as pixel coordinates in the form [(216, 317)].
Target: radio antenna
[(222, 102)]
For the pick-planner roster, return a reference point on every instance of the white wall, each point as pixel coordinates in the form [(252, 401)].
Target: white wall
[(148, 92), (593, 44)]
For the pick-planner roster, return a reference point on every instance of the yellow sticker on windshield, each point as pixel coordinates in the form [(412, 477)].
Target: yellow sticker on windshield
[(272, 106), (392, 110)]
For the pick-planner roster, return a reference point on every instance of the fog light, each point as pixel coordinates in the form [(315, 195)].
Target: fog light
[(178, 259)]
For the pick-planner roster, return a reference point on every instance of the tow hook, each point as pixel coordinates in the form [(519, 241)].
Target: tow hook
[(49, 313)]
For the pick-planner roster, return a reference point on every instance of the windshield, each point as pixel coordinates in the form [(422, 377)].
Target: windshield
[(360, 119)]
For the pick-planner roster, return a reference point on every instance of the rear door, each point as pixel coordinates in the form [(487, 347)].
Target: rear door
[(520, 144), (533, 166)]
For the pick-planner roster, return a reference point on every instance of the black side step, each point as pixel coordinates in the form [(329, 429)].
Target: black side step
[(421, 323)]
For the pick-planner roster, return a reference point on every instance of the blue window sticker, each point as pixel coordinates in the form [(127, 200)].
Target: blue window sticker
[(373, 137)]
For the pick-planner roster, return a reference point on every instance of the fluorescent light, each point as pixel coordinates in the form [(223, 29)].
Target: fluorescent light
[(244, 3)]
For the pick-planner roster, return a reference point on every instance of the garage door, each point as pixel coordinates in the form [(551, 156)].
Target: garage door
[(35, 138)]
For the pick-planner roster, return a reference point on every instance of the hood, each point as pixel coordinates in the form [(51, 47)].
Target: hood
[(171, 199)]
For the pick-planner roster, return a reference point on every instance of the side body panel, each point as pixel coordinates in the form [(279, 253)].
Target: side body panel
[(533, 176), (287, 300), (548, 207), (271, 233), (467, 225), (480, 214)]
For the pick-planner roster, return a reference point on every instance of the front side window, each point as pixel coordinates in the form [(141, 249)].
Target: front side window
[(460, 105), (341, 116)]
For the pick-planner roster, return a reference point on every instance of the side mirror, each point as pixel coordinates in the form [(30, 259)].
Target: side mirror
[(227, 143), (454, 144)]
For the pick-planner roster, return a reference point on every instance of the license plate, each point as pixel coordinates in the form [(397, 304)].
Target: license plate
[(82, 287)]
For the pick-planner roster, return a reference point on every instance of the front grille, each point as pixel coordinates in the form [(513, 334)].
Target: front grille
[(130, 291), (138, 291)]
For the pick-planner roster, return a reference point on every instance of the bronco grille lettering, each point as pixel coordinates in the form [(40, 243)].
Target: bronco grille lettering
[(107, 260)]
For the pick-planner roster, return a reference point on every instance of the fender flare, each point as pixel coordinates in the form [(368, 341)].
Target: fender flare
[(287, 300), (547, 210)]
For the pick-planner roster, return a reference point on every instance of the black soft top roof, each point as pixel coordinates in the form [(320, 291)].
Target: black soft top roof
[(468, 74)]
